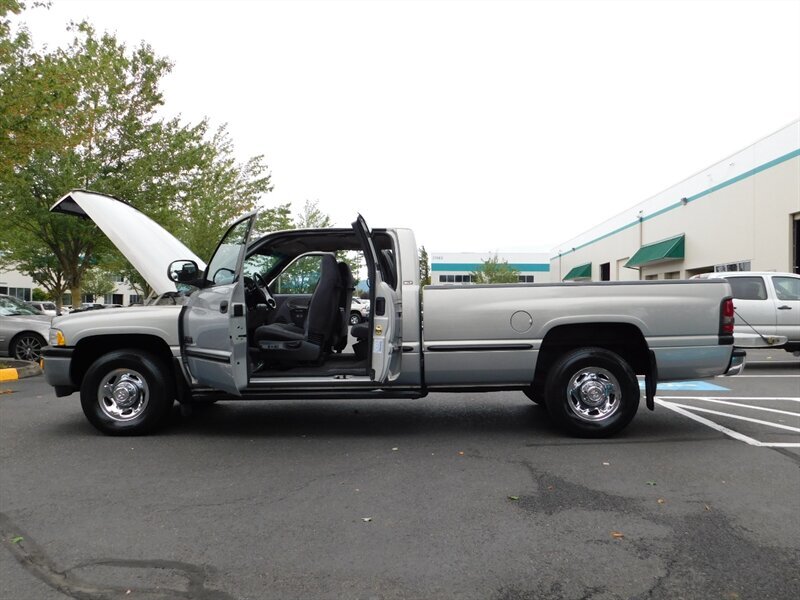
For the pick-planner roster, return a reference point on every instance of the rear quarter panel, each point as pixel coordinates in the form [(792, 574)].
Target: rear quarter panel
[(491, 335)]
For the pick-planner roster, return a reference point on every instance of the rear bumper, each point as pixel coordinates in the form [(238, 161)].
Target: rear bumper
[(56, 362), (736, 365)]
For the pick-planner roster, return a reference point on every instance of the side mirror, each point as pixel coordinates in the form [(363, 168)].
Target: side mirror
[(183, 271)]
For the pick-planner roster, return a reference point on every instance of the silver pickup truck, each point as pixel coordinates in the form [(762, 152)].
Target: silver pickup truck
[(268, 317)]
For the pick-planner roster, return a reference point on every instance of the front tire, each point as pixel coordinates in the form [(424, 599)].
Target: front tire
[(127, 392), (27, 346), (592, 392), (355, 318)]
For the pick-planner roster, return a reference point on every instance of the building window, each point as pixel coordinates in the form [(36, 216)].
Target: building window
[(19, 293), (743, 265), (651, 277), (134, 299), (672, 275), (526, 278)]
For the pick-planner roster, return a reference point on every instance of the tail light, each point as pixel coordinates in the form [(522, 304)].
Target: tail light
[(726, 321)]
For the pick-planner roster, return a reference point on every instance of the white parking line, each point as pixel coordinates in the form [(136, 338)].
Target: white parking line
[(681, 409), (760, 376), (751, 407), (781, 398)]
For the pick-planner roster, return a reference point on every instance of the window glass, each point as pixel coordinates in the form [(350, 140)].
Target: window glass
[(748, 288), (300, 277), (222, 269), (11, 306), (787, 288)]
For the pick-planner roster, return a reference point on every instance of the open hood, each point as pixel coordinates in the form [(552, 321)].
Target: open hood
[(148, 247)]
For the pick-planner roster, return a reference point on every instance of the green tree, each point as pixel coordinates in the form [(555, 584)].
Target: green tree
[(98, 282), (312, 217), (424, 267), (494, 271), (85, 117)]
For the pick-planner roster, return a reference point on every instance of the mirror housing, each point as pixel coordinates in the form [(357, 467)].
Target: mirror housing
[(183, 271)]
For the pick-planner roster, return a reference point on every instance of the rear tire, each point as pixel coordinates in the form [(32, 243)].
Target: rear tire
[(355, 318), (592, 392), (127, 392)]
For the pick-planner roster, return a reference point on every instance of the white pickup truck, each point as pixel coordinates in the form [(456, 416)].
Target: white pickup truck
[(766, 308), (249, 326)]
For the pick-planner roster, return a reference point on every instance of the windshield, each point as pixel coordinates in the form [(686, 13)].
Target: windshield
[(10, 306)]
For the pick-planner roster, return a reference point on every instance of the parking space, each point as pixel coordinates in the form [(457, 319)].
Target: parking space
[(471, 496), (761, 407)]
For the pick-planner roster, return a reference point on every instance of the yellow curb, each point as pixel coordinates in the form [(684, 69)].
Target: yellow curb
[(8, 375)]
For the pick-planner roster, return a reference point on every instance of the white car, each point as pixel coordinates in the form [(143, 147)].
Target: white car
[(767, 308), (47, 307), (359, 311)]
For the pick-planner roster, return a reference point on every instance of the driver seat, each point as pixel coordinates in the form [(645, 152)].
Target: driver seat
[(289, 344)]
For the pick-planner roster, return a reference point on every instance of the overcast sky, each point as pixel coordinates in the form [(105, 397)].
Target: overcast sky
[(484, 126)]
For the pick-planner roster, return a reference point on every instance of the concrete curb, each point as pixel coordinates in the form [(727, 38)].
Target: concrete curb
[(19, 369)]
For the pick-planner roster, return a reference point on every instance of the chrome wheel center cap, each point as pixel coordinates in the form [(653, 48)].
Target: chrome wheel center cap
[(125, 394), (593, 393)]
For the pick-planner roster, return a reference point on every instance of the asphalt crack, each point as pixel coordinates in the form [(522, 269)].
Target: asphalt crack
[(35, 560)]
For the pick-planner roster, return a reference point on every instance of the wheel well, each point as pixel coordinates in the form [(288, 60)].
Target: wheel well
[(24, 333), (621, 338), (90, 349)]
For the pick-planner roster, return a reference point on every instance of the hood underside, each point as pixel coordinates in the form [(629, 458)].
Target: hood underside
[(148, 247)]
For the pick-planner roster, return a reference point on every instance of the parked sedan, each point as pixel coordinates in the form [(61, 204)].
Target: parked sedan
[(23, 329)]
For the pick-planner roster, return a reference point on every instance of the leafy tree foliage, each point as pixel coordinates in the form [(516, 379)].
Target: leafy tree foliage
[(494, 271), (85, 116), (424, 267), (98, 283)]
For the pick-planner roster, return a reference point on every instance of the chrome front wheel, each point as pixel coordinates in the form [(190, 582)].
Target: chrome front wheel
[(128, 392), (123, 394)]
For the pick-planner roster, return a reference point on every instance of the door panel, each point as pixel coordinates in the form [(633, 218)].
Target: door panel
[(787, 294), (214, 321), (385, 334)]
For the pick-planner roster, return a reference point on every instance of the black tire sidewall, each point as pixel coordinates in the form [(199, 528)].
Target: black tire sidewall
[(159, 382), (570, 363), (12, 349), (355, 318)]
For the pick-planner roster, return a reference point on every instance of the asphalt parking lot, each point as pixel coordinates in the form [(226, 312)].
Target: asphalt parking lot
[(451, 496)]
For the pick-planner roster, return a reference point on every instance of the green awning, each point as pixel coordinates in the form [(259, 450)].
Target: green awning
[(579, 272), (657, 252)]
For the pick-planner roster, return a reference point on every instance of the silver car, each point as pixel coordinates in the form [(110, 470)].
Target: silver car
[(23, 329)]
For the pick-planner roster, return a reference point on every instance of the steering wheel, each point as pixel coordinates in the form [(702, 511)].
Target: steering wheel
[(261, 285)]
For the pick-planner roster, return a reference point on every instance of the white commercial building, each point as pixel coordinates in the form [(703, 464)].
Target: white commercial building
[(21, 286), (457, 267), (742, 213)]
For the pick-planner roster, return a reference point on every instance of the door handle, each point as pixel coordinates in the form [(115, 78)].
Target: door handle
[(223, 306), (784, 307)]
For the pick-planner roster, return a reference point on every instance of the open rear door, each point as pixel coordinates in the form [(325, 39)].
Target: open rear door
[(385, 337), (214, 321)]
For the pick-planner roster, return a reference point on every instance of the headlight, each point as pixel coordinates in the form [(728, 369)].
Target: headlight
[(57, 338)]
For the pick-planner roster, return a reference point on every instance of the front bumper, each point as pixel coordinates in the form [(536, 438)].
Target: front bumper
[(56, 362), (738, 359)]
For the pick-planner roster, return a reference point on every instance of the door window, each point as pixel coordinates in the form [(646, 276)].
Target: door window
[(748, 288), (222, 268), (301, 277), (787, 288)]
